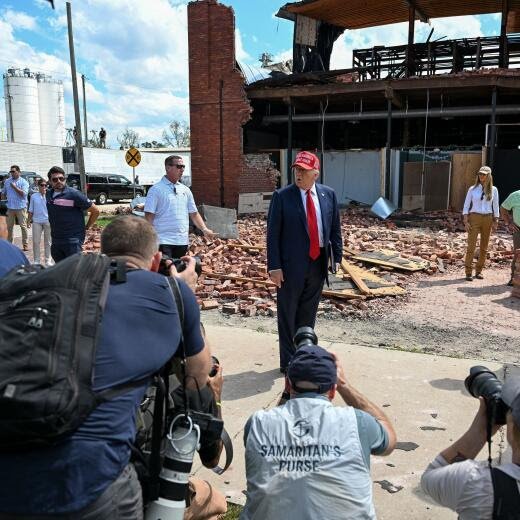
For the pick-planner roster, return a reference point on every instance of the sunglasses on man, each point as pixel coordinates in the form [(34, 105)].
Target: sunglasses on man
[(58, 179)]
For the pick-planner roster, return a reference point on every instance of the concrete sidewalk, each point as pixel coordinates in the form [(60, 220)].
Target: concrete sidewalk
[(423, 395)]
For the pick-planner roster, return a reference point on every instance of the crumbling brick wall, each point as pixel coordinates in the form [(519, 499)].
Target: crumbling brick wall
[(259, 174), (218, 109), (218, 104)]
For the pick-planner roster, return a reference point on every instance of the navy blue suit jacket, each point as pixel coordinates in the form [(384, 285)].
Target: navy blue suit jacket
[(288, 239)]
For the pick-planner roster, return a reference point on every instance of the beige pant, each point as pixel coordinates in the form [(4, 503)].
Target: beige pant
[(19, 215), (478, 225), (37, 231)]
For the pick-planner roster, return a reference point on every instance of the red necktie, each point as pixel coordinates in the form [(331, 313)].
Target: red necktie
[(312, 223)]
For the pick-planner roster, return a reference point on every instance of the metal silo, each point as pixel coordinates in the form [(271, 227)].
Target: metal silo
[(22, 106), (52, 110)]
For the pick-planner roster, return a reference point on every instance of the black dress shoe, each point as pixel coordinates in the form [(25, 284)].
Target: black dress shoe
[(479, 276), (283, 371), (469, 278), (510, 283)]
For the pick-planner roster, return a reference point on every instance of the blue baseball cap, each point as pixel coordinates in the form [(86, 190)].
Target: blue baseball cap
[(511, 397), (314, 364)]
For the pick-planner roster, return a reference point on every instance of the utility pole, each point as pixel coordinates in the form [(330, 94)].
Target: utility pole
[(79, 145), (84, 110)]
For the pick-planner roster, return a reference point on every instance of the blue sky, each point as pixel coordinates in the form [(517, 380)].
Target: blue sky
[(135, 52)]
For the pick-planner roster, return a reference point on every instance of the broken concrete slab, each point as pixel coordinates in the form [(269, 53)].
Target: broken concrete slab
[(220, 220)]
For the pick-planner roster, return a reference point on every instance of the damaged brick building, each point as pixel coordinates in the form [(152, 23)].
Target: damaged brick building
[(411, 122)]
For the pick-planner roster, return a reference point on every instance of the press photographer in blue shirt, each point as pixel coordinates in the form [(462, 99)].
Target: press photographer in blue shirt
[(88, 474)]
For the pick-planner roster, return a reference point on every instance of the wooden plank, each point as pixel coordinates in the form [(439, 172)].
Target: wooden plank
[(247, 246), (356, 278), (345, 295), (465, 167), (400, 263)]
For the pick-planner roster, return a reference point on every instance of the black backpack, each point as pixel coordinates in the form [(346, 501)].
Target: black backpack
[(49, 326)]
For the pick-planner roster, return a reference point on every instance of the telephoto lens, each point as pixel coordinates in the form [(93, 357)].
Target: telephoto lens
[(305, 336), (482, 382)]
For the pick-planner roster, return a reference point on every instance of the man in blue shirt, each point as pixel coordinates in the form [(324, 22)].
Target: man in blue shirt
[(309, 459), (65, 207), (10, 255), (88, 476), (16, 189)]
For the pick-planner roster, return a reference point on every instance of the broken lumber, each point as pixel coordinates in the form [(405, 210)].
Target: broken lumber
[(356, 278)]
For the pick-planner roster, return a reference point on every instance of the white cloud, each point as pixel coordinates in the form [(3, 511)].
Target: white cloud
[(397, 34), (19, 20), (240, 52)]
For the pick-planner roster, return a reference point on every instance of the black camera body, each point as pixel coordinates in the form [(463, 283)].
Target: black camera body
[(483, 382), (305, 336), (180, 265), (210, 426)]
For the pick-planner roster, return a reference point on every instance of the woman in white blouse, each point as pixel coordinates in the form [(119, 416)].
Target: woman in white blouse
[(480, 213)]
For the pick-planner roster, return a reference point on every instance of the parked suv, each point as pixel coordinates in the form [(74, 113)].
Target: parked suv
[(104, 186)]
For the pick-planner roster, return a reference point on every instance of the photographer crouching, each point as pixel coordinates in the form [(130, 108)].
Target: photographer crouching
[(471, 488), (87, 474), (307, 459)]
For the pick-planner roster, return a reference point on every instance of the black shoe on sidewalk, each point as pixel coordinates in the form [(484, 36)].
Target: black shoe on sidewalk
[(469, 278), (479, 276), (510, 283)]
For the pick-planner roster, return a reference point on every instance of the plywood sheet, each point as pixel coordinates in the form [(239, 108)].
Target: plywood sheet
[(436, 185), (464, 169), (391, 258)]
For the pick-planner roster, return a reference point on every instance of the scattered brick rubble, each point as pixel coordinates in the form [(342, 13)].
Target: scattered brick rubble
[(443, 243)]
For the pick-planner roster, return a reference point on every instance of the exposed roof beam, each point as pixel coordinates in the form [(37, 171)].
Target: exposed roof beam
[(422, 15)]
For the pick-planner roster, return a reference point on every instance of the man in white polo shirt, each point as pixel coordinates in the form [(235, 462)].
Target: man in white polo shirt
[(39, 217), (169, 206)]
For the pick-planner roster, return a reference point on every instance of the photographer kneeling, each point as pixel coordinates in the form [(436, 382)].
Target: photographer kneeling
[(308, 459), (474, 489), (88, 475)]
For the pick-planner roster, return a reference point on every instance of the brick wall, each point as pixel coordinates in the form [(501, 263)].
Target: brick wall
[(217, 89), (258, 174)]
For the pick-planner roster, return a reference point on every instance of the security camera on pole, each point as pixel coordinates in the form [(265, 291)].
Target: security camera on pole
[(133, 158)]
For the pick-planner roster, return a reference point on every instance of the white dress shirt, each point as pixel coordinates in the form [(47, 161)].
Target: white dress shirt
[(314, 195), (480, 204), (464, 487)]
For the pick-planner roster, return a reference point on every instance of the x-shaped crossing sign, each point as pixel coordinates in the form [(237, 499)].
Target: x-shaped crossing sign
[(133, 157)]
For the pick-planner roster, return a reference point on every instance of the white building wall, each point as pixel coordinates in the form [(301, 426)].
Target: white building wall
[(30, 157)]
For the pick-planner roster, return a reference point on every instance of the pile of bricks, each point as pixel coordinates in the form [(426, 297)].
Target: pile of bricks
[(235, 280), (516, 279)]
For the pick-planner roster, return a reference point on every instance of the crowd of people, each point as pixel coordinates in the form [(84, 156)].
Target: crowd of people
[(305, 458)]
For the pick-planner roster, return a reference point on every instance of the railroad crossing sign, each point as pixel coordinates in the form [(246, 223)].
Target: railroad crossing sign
[(133, 157)]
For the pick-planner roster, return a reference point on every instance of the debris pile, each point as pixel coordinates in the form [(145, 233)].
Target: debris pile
[(381, 260)]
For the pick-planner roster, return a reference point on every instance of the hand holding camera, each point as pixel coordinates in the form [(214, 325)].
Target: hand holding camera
[(188, 268)]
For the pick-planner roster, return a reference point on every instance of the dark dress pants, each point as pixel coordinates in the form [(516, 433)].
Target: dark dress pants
[(297, 304), (173, 251)]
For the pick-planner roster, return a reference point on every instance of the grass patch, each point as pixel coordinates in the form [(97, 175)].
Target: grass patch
[(104, 221), (233, 512)]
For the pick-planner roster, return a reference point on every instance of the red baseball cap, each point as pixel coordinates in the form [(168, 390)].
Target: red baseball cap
[(307, 161)]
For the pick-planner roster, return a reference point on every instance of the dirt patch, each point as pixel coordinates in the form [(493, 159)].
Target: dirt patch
[(443, 315)]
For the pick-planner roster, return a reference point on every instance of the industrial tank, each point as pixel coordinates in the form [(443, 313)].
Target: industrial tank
[(22, 106), (52, 111)]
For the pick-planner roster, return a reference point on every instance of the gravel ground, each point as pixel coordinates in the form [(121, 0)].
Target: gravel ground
[(444, 315)]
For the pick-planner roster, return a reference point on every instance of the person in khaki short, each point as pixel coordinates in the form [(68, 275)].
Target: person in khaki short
[(15, 190), (480, 213)]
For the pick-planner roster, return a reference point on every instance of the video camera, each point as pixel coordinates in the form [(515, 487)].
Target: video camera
[(180, 265)]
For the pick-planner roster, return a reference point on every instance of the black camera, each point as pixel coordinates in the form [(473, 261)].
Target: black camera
[(214, 367), (180, 265), (482, 382), (305, 336)]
